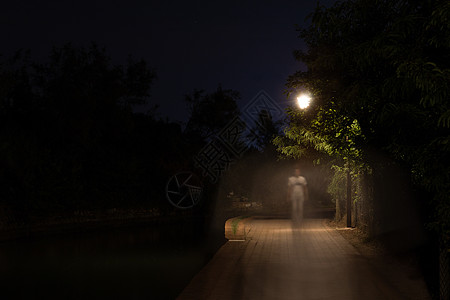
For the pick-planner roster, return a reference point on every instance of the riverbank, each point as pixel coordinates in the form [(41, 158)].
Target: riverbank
[(16, 225), (140, 259)]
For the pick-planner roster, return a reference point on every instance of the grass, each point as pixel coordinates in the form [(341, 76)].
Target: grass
[(235, 223)]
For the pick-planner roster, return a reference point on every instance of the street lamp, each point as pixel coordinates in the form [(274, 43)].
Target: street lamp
[(303, 100)]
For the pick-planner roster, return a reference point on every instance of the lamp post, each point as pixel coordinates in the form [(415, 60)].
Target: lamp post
[(349, 193), (349, 197)]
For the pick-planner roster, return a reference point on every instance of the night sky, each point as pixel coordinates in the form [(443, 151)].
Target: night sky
[(242, 45)]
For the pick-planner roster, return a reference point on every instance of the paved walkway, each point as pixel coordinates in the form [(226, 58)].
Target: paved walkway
[(279, 262)]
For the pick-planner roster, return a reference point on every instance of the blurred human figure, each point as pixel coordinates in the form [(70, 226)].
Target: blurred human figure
[(297, 194)]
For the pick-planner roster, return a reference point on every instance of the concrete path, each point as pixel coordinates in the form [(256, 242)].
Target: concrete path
[(278, 262)]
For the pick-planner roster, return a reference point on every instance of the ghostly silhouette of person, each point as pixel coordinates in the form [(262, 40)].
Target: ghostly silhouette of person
[(297, 194)]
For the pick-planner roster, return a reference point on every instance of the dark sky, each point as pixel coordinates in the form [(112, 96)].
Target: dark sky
[(246, 46)]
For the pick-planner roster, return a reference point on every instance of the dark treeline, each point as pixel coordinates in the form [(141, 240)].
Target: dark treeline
[(69, 139)]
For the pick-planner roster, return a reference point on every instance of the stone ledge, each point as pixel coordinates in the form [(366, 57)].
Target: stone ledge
[(237, 228)]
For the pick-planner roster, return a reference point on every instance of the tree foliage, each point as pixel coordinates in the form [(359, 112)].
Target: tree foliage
[(69, 139), (380, 75), (209, 113), (265, 130)]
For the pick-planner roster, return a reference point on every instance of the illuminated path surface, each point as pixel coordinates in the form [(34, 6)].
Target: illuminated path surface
[(309, 263)]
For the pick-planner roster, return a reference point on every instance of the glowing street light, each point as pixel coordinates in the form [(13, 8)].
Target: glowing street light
[(303, 101)]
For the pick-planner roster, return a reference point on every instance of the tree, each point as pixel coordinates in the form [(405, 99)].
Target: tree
[(66, 128), (265, 130), (379, 72), (210, 113)]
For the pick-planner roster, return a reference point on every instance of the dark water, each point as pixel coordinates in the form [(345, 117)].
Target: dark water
[(145, 262)]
